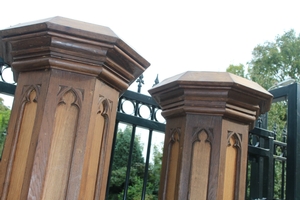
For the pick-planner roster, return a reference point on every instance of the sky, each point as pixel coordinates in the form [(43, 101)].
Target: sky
[(174, 36)]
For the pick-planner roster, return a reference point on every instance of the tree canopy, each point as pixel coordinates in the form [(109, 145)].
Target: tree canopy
[(237, 69), (273, 62), (119, 168), (4, 118)]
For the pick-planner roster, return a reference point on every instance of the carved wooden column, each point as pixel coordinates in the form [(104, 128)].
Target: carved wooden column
[(208, 117), (70, 75)]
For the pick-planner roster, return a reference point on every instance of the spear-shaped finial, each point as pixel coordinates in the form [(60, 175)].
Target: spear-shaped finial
[(156, 81), (140, 81)]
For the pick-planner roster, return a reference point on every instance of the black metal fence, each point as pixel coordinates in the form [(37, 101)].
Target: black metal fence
[(274, 149), (266, 177), (137, 148)]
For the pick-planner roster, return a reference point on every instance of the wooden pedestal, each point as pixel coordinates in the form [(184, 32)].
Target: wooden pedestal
[(70, 75), (208, 117)]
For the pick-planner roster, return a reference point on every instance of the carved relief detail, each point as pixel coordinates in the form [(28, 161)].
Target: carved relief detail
[(104, 109), (175, 135), (27, 89), (172, 160), (237, 138), (23, 132), (200, 162), (104, 105), (232, 164), (196, 134), (78, 95), (62, 143)]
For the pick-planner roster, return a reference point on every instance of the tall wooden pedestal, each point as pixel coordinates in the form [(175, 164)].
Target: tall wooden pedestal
[(70, 75)]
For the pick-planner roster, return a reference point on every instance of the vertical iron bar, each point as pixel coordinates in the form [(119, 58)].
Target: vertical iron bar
[(283, 182), (136, 109), (293, 143), (111, 158), (270, 168), (282, 179), (247, 179), (129, 162), (147, 165)]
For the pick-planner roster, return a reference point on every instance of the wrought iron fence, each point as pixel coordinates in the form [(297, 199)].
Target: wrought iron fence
[(266, 164), (274, 149), (139, 120), (7, 83)]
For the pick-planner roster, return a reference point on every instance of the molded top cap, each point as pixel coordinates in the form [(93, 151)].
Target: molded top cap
[(200, 78), (74, 46), (63, 25), (217, 93)]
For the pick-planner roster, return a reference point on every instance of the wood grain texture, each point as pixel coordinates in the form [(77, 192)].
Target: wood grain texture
[(230, 170), (54, 44), (235, 146), (23, 145), (205, 103), (174, 147), (98, 140), (61, 149), (92, 159), (200, 166)]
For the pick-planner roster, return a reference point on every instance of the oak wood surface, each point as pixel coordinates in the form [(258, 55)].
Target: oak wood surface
[(70, 75), (208, 116)]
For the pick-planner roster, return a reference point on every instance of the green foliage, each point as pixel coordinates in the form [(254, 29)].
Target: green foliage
[(277, 120), (271, 63), (154, 170), (119, 168), (237, 70), (276, 61), (122, 149), (4, 118)]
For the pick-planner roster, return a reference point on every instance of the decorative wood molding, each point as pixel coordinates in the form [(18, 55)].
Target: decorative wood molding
[(105, 112), (70, 45), (197, 131), (70, 75), (62, 144), (237, 138), (200, 163), (233, 163), (17, 164), (172, 157), (27, 89), (78, 95), (211, 166)]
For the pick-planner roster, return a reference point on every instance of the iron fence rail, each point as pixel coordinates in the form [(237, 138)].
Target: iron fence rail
[(135, 118)]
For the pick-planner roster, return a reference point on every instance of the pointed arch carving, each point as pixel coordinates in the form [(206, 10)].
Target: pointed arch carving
[(104, 109), (236, 137), (200, 162), (172, 160), (104, 106), (175, 135), (27, 90), (23, 132), (232, 164), (196, 134), (78, 95), (69, 102)]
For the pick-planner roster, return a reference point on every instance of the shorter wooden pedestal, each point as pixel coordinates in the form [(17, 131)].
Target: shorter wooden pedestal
[(208, 118)]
